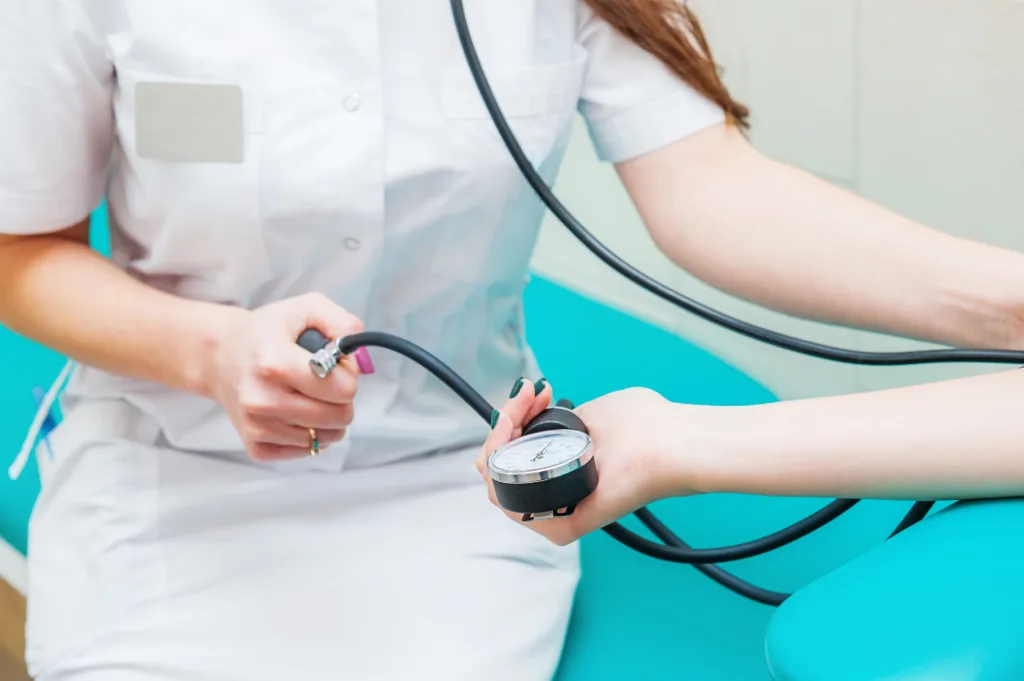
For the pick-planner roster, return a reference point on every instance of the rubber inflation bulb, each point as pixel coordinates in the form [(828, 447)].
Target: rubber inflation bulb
[(312, 340)]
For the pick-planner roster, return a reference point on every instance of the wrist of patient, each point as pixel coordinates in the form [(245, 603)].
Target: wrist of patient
[(990, 301), (697, 449), (996, 323)]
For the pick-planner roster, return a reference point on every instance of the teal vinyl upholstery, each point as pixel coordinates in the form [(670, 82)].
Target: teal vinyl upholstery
[(939, 602)]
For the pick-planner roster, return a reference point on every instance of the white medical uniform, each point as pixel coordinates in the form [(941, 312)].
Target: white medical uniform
[(368, 171)]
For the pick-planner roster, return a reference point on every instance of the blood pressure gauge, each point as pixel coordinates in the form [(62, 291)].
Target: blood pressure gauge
[(548, 471)]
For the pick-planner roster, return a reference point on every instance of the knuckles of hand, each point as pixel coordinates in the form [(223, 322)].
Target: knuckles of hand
[(315, 299), (269, 366), (317, 305), (255, 402), (342, 384), (266, 452), (343, 414), (258, 431)]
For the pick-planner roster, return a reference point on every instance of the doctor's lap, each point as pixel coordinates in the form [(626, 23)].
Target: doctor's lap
[(251, 153)]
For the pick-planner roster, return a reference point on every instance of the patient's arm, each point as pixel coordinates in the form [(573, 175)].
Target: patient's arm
[(953, 439)]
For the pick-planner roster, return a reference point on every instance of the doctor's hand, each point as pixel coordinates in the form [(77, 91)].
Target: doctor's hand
[(264, 381), (628, 435)]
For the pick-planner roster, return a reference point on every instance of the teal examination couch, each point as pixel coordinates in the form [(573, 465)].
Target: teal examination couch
[(938, 602)]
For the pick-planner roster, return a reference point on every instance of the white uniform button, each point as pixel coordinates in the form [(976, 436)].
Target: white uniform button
[(352, 103), (352, 243)]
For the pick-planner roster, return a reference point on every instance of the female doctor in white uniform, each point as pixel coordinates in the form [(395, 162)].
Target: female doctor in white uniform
[(271, 166)]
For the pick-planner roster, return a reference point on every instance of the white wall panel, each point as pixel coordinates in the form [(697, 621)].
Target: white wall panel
[(795, 66), (942, 128)]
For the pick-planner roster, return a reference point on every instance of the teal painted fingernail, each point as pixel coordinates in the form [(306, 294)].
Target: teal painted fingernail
[(494, 417), (516, 388), (538, 387)]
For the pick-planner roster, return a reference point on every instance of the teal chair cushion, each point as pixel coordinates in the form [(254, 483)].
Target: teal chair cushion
[(939, 602)]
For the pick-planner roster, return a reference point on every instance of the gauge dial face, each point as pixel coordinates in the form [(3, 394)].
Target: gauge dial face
[(539, 452)]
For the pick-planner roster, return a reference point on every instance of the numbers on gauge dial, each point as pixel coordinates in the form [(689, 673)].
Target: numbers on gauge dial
[(540, 451)]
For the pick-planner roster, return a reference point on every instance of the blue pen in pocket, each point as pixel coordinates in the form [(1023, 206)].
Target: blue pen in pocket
[(49, 422), (46, 418)]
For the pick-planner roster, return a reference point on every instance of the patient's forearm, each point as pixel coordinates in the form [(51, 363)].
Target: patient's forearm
[(949, 440)]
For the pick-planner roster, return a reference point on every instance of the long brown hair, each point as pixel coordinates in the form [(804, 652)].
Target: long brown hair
[(669, 30)]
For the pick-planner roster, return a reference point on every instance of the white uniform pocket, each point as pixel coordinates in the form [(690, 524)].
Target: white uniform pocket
[(190, 136)]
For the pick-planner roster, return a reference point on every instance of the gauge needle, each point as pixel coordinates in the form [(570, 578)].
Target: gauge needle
[(541, 452)]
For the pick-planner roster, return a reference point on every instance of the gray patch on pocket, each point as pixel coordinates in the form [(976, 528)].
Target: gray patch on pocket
[(189, 122)]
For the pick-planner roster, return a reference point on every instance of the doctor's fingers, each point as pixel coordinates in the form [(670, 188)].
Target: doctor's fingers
[(307, 413), (264, 451), (338, 387), (317, 311), (282, 404), (278, 433)]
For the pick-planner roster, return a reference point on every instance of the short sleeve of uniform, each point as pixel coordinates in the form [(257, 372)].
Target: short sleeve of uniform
[(55, 116), (633, 103)]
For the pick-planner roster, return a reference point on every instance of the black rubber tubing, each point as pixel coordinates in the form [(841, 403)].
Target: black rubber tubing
[(705, 312), (312, 340), (726, 579), (674, 549)]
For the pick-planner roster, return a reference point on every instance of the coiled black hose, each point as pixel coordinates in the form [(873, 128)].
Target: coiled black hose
[(674, 549), (678, 548)]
